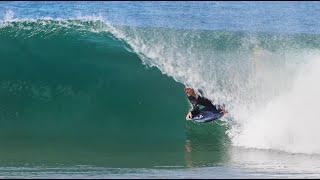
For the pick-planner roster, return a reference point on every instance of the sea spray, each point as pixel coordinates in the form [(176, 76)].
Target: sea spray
[(254, 74), (290, 121), (244, 70)]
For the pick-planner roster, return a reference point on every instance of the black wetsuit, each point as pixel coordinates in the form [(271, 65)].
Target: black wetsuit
[(201, 101)]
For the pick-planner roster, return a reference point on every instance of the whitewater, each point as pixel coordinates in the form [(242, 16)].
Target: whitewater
[(266, 75)]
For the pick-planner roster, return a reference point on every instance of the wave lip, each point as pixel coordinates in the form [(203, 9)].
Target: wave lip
[(68, 78), (248, 71)]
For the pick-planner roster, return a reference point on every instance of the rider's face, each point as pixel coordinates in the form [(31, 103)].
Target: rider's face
[(190, 92)]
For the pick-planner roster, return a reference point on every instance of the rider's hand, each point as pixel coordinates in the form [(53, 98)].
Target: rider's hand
[(224, 111), (189, 116)]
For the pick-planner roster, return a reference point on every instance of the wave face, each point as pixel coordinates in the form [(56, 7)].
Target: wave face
[(85, 78), (71, 91), (58, 78), (266, 80)]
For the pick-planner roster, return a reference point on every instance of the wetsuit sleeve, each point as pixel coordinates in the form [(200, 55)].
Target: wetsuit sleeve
[(195, 110)]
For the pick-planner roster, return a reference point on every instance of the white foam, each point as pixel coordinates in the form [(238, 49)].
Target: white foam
[(289, 122), (8, 16), (271, 106)]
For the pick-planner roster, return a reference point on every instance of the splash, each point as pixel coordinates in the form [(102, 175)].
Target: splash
[(289, 122), (268, 81), (261, 77)]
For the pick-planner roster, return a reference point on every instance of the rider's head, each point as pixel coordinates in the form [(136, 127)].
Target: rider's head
[(190, 92)]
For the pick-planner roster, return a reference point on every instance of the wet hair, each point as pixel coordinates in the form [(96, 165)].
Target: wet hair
[(189, 90)]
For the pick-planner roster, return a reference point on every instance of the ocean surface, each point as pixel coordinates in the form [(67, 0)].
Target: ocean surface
[(96, 89)]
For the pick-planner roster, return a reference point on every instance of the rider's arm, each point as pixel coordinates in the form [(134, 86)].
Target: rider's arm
[(195, 110)]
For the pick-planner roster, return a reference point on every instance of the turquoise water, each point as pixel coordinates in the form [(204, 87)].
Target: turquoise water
[(95, 89)]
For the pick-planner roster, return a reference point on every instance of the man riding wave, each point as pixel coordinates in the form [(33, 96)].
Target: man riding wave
[(201, 104)]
